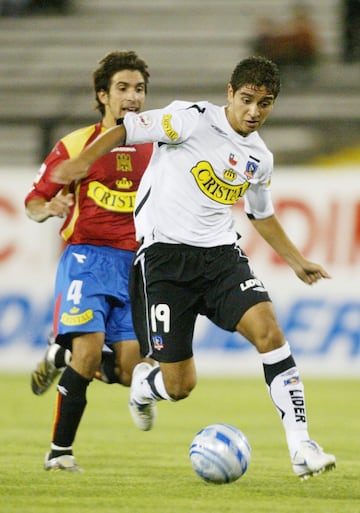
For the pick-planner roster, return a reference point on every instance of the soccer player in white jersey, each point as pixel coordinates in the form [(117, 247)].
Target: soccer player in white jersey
[(190, 261)]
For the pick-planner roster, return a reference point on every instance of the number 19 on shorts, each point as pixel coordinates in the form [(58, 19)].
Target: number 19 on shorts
[(160, 314)]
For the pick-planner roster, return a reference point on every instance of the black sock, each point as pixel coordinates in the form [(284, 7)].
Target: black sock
[(271, 371), (70, 406), (107, 368)]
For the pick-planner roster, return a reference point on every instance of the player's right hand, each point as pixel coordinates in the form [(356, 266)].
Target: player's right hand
[(59, 206)]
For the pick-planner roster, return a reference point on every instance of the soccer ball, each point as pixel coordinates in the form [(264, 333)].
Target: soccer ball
[(220, 453)]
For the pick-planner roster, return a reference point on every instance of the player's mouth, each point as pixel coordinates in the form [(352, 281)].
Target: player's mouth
[(130, 109), (252, 124)]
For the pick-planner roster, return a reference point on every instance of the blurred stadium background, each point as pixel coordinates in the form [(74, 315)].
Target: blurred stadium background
[(191, 46)]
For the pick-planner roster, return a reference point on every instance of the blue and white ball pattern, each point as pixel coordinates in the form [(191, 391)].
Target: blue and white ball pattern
[(220, 453)]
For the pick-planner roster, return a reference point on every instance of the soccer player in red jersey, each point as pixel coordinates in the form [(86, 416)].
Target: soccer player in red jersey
[(92, 306)]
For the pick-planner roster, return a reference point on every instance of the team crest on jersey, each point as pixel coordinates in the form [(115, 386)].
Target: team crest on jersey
[(232, 159), (123, 162), (251, 168)]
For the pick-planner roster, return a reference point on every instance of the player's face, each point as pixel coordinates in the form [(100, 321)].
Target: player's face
[(248, 108), (126, 93)]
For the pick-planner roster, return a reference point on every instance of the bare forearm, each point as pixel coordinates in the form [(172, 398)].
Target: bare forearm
[(38, 210), (271, 230), (77, 168), (103, 144)]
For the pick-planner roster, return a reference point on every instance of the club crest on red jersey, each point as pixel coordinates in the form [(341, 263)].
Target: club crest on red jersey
[(123, 162)]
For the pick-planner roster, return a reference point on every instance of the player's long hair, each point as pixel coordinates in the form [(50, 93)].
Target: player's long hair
[(257, 71), (111, 64)]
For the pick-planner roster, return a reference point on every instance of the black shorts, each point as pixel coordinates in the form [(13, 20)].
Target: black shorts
[(171, 284)]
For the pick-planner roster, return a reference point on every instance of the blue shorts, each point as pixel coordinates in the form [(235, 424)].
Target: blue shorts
[(91, 294)]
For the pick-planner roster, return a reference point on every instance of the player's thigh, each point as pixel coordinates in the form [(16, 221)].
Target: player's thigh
[(260, 326), (127, 355), (234, 290), (179, 377)]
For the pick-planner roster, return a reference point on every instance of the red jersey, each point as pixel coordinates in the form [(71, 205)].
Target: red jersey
[(104, 201)]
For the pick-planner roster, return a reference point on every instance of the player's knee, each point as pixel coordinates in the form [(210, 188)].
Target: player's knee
[(179, 391), (269, 339), (179, 395)]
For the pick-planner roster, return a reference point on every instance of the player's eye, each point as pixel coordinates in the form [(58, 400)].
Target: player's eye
[(266, 103)]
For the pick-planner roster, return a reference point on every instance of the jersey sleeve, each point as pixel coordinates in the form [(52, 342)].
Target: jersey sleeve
[(68, 147), (257, 201), (43, 187), (171, 125)]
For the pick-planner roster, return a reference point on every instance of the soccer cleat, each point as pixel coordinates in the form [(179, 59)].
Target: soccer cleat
[(310, 460), (44, 375), (65, 462), (143, 414)]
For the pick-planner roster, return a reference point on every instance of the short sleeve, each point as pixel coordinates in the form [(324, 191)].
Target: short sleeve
[(171, 125)]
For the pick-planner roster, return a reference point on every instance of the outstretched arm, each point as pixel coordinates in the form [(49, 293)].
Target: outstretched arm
[(77, 168), (271, 230)]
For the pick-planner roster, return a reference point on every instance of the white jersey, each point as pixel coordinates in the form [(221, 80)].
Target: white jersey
[(199, 169)]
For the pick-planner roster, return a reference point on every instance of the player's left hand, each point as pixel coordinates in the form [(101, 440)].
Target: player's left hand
[(311, 272), (70, 170)]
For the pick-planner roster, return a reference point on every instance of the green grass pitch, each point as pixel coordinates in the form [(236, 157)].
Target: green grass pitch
[(129, 471)]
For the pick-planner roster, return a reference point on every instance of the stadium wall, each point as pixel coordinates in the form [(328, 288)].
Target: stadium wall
[(320, 209)]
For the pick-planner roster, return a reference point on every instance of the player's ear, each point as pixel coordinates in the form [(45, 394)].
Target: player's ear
[(230, 91), (102, 96)]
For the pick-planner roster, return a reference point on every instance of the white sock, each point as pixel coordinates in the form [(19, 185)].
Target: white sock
[(160, 388), (152, 388), (58, 448), (287, 393)]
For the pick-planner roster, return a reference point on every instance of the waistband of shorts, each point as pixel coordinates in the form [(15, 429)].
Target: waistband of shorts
[(92, 248), (186, 248)]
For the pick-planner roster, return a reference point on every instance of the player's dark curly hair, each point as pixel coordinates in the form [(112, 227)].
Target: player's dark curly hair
[(257, 71), (111, 64)]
